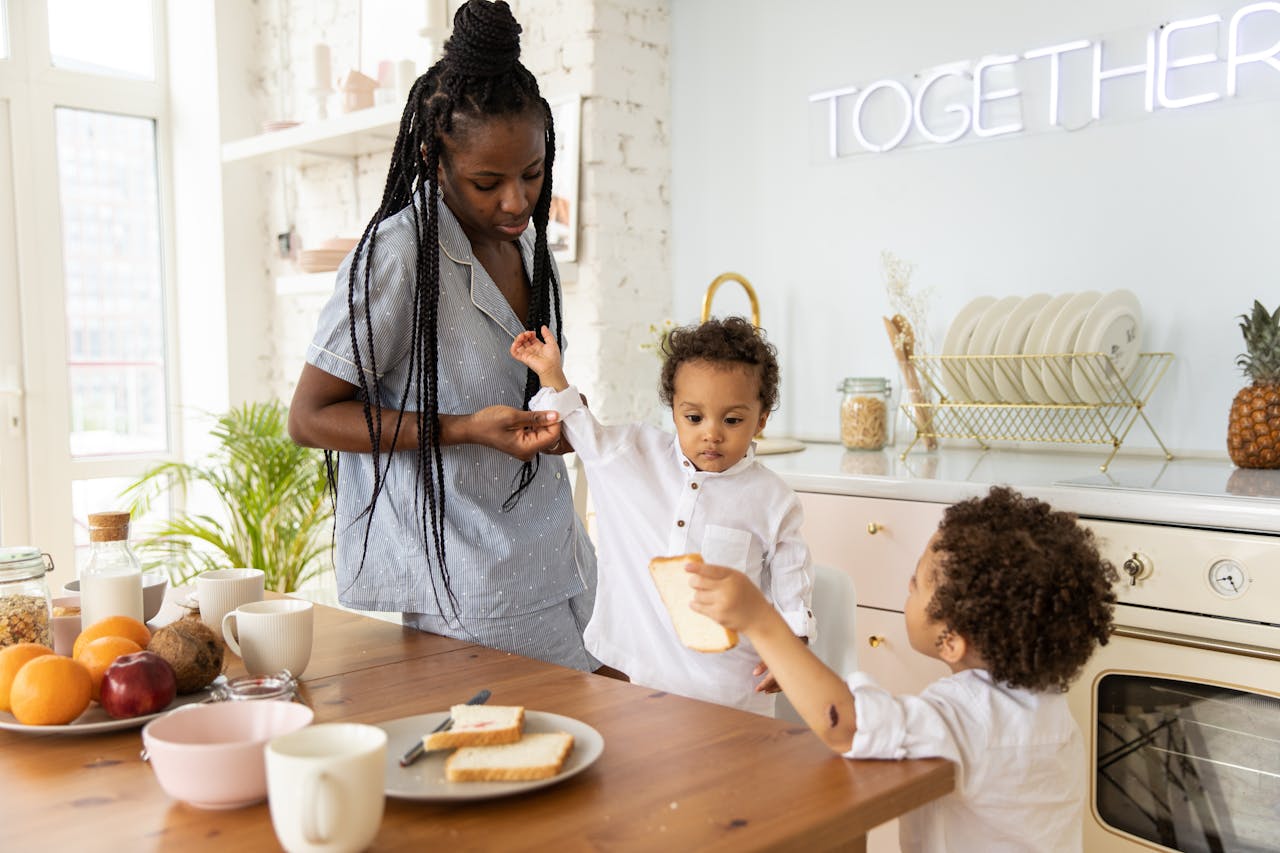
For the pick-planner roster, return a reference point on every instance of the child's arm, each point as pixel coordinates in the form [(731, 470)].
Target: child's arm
[(820, 696), (542, 357)]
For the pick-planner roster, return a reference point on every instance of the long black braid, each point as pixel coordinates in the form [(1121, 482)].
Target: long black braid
[(481, 77)]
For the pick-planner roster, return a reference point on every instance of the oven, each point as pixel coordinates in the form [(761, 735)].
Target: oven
[(1180, 711)]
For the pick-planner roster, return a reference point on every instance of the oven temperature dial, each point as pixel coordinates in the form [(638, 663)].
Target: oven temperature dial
[(1227, 578)]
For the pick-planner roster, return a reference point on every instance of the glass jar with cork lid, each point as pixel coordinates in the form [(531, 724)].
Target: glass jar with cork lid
[(866, 413), (111, 582), (25, 604)]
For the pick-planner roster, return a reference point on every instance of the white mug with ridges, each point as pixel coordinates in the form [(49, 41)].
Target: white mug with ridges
[(325, 786), (219, 591), (271, 635)]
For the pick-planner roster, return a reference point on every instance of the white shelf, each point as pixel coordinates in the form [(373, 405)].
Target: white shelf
[(367, 131), (306, 284)]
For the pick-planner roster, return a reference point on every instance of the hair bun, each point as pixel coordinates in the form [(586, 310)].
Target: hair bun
[(485, 40)]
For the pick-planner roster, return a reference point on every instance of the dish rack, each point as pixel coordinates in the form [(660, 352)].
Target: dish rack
[(1120, 400)]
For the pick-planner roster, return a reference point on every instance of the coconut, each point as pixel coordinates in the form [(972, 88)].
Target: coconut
[(192, 649)]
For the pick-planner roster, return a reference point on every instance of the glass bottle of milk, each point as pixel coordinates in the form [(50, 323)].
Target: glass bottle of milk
[(111, 582)]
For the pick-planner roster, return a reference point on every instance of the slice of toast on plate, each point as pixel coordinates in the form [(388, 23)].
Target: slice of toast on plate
[(698, 632), (534, 756), (479, 725)]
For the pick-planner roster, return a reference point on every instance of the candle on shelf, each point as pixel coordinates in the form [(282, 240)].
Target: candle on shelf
[(406, 76), (437, 20), (323, 76)]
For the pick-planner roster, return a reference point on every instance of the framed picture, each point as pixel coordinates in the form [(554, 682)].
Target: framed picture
[(562, 224)]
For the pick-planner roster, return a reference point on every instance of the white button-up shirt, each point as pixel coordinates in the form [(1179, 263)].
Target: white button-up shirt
[(651, 502), (1020, 762)]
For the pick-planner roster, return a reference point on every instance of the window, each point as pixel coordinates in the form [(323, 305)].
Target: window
[(115, 38), (114, 299)]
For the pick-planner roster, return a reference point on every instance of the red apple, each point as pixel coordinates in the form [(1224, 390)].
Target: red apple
[(137, 684)]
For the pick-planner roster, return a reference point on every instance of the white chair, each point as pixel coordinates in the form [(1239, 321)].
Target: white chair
[(833, 609)]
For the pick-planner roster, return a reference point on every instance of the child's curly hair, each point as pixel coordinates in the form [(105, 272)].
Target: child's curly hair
[(732, 340), (1025, 585)]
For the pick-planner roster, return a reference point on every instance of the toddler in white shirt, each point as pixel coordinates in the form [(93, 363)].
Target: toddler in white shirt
[(1014, 597), (699, 490)]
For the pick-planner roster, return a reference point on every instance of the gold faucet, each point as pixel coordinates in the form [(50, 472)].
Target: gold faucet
[(746, 285)]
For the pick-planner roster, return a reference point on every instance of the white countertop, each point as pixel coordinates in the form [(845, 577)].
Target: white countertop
[(1193, 492)]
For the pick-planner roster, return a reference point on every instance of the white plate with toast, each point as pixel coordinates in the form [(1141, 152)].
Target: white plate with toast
[(425, 778)]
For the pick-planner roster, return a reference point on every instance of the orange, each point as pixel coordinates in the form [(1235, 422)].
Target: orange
[(113, 626), (11, 660), (101, 653), (50, 690)]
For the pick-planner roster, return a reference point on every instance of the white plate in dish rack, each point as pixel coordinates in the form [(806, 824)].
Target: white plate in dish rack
[(425, 780), (1112, 327), (957, 343), (978, 374), (1061, 339), (1037, 338), (1013, 336)]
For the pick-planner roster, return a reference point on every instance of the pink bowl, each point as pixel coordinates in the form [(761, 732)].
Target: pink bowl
[(211, 755)]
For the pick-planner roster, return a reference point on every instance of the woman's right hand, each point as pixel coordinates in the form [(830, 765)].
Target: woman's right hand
[(513, 431)]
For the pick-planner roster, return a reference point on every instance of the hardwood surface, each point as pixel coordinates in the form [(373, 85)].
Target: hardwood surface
[(675, 774)]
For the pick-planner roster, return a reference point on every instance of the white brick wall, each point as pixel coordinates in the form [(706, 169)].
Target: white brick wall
[(614, 53)]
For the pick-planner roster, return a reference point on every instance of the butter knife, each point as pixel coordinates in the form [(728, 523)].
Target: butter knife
[(419, 749)]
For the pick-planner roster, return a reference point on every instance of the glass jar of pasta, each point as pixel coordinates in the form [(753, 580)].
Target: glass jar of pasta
[(866, 413)]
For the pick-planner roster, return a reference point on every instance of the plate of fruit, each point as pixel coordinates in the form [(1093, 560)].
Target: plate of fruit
[(119, 676)]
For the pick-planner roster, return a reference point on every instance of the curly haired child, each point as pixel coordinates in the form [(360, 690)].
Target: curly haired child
[(1013, 596), (699, 490)]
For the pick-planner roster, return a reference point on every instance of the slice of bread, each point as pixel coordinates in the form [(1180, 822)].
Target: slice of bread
[(534, 756), (479, 725), (698, 632)]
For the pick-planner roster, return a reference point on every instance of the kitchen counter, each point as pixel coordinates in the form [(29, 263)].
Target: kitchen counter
[(675, 773), (1193, 492)]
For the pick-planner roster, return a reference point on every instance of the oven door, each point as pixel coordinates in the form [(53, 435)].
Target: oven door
[(1184, 741)]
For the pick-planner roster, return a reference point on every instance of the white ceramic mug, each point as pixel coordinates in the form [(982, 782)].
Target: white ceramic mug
[(271, 635), (219, 591), (325, 786)]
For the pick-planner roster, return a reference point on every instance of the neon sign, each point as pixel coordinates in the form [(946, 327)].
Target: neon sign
[(964, 99)]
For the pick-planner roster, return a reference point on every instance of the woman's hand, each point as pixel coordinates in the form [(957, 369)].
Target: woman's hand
[(513, 431)]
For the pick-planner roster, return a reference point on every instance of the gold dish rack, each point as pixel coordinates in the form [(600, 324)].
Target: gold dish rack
[(1121, 400)]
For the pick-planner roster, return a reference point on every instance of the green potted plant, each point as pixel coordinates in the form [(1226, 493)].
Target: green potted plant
[(275, 509)]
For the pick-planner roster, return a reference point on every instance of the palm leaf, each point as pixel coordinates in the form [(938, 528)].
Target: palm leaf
[(272, 494)]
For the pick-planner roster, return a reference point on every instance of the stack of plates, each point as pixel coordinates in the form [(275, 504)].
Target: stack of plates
[(328, 257), (273, 126), (1042, 325)]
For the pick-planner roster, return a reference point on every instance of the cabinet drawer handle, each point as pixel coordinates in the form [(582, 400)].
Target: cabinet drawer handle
[(873, 528), (875, 641)]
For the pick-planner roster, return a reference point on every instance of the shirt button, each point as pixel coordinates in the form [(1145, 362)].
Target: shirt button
[(693, 485), (679, 524), (685, 463)]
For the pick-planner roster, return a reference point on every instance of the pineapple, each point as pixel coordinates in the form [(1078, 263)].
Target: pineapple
[(1253, 433)]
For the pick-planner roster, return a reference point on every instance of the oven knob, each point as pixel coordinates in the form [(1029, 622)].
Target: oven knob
[(1137, 567)]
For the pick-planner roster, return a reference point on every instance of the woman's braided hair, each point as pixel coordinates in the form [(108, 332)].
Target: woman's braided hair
[(480, 77)]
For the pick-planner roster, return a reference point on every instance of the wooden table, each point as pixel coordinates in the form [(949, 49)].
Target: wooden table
[(676, 774)]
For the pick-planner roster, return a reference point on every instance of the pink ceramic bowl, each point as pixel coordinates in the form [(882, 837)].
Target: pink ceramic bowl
[(211, 755)]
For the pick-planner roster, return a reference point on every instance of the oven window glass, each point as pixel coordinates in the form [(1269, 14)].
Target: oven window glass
[(1192, 767)]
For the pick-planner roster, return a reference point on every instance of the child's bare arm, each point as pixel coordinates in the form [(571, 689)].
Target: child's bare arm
[(542, 357), (819, 695)]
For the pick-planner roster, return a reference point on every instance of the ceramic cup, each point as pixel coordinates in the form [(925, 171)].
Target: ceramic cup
[(271, 635), (220, 591), (325, 786)]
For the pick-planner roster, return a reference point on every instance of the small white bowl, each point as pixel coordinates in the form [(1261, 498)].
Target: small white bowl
[(66, 628), (154, 585), (212, 755)]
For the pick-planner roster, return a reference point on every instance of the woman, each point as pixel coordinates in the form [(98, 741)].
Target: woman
[(451, 505)]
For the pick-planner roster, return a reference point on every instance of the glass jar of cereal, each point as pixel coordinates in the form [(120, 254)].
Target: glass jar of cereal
[(866, 413), (25, 604)]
